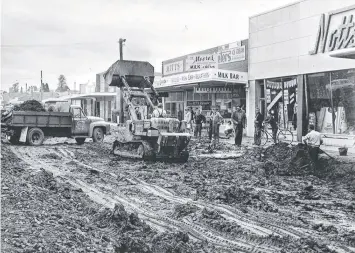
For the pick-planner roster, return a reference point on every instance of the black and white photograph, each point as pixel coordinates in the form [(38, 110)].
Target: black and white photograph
[(166, 126)]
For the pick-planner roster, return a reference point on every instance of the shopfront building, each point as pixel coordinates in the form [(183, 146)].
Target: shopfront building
[(216, 76), (294, 71)]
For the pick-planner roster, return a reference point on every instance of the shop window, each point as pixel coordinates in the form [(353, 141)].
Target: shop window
[(168, 108), (204, 97), (179, 96), (197, 96), (332, 101), (173, 96), (190, 95)]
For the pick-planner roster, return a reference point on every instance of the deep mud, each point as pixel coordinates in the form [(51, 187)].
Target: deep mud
[(71, 198)]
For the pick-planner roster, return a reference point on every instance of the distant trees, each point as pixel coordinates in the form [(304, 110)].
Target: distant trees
[(62, 84), (15, 87), (32, 88), (45, 87)]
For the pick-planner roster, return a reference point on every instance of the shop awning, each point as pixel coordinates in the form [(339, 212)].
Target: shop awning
[(208, 76), (94, 95), (348, 53)]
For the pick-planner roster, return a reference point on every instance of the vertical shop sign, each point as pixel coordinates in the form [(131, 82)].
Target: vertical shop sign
[(268, 96), (286, 97)]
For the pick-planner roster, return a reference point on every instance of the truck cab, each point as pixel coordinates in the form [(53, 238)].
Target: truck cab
[(84, 126)]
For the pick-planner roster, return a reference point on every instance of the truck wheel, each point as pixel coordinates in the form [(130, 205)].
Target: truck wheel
[(80, 141), (35, 137), (98, 135), (14, 139)]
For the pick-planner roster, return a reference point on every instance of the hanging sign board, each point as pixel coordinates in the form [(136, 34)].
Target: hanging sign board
[(206, 105)]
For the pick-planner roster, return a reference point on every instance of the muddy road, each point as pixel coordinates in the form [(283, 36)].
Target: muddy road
[(65, 192)]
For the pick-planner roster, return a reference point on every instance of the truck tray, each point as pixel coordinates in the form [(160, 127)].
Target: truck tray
[(41, 119)]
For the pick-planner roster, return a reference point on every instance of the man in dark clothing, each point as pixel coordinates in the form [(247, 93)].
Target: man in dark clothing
[(259, 118), (238, 118), (270, 119), (199, 119), (180, 115)]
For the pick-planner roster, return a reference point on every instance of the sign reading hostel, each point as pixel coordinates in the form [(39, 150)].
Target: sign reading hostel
[(336, 31), (199, 62)]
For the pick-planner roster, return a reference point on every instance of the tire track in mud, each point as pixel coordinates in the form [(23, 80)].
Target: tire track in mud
[(247, 221), (108, 198)]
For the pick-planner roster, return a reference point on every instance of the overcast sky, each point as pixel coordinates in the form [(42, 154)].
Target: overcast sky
[(78, 38)]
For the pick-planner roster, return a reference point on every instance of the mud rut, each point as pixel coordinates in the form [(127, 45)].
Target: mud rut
[(105, 184)]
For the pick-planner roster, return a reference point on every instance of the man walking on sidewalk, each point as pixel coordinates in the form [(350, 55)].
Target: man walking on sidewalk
[(239, 118), (313, 140)]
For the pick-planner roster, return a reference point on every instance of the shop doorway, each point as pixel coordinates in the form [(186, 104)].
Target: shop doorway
[(281, 101)]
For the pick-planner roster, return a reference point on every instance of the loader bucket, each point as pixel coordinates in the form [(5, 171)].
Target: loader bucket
[(134, 72)]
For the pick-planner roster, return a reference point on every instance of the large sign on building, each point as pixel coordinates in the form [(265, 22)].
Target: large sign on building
[(201, 61), (213, 58), (231, 54), (203, 76), (173, 68), (336, 31)]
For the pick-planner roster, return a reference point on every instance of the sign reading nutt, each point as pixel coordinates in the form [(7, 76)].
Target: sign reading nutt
[(336, 31)]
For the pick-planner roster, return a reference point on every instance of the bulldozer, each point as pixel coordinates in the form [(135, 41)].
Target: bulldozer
[(144, 137)]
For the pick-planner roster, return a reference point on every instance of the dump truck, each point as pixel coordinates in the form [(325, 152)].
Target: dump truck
[(32, 127), (145, 137)]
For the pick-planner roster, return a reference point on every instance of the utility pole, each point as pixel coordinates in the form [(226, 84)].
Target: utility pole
[(41, 87), (120, 105)]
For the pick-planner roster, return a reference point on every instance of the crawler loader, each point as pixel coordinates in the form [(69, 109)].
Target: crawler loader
[(145, 137)]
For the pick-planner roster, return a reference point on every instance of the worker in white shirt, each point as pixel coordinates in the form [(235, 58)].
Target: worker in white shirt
[(159, 112), (313, 140)]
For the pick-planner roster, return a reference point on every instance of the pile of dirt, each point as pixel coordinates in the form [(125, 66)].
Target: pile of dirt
[(182, 210), (30, 105), (51, 156), (172, 242), (134, 235), (244, 196), (44, 179), (288, 160)]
